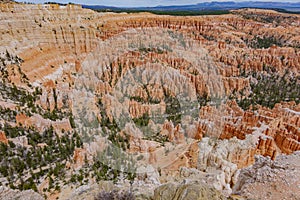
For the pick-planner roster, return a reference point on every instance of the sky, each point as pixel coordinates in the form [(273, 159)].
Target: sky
[(139, 3)]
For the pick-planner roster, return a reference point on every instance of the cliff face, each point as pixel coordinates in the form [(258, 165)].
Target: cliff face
[(72, 36), (39, 33), (103, 86), (279, 132), (272, 132)]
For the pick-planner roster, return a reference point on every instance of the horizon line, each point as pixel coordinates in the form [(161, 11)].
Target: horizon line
[(159, 5)]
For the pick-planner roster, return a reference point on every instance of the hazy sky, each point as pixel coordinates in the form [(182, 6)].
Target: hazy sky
[(132, 3)]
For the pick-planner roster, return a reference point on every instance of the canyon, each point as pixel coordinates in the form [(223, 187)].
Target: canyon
[(160, 105)]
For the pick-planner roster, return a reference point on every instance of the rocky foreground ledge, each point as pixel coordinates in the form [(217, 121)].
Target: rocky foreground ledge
[(266, 179)]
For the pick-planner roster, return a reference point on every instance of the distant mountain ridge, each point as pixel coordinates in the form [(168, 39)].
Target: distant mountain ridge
[(6, 1), (215, 5)]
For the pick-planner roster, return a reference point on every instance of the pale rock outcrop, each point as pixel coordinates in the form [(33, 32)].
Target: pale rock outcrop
[(21, 140), (186, 191), (224, 156), (10, 194), (41, 124), (148, 175), (267, 179)]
